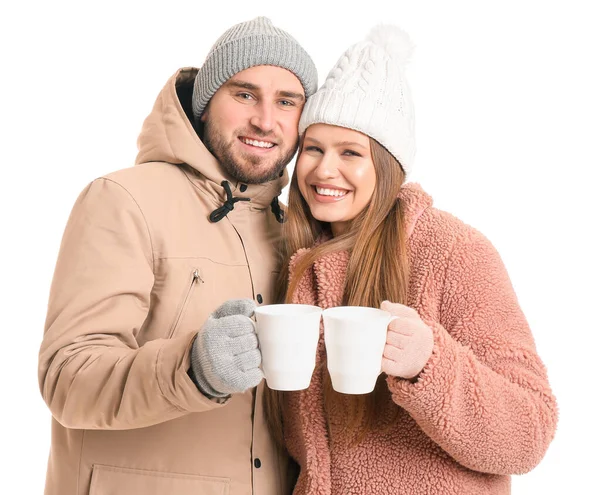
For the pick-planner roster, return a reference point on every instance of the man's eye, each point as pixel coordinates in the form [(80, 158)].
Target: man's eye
[(287, 103), (245, 96)]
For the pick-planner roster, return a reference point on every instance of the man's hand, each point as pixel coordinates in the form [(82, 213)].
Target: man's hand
[(225, 355)]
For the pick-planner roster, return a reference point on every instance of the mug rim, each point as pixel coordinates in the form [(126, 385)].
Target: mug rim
[(271, 309), (333, 312)]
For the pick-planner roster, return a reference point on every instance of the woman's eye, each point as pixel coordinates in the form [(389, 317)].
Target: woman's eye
[(351, 153), (313, 148)]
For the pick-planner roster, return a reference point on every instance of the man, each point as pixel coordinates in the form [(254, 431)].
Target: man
[(149, 363)]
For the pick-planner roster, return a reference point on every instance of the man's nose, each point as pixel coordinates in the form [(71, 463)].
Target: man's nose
[(263, 117)]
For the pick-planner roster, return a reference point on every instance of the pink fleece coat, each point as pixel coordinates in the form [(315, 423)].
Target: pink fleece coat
[(481, 409)]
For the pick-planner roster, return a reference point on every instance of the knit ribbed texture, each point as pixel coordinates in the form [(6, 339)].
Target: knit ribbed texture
[(225, 358), (367, 91), (248, 44)]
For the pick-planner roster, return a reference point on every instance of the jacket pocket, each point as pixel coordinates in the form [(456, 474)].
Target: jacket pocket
[(111, 480), (195, 279)]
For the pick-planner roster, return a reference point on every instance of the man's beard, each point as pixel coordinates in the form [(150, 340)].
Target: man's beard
[(222, 151)]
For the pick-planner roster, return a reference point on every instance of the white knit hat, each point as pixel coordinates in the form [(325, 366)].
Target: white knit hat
[(367, 91)]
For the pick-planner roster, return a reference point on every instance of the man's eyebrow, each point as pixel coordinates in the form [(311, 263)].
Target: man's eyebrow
[(291, 95), (242, 85), (236, 83)]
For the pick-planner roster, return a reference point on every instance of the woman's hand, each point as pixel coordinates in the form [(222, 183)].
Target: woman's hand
[(409, 342)]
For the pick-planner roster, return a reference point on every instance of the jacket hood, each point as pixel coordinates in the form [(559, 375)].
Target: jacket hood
[(168, 135)]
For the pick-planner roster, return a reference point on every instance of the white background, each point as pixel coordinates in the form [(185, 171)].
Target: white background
[(508, 127)]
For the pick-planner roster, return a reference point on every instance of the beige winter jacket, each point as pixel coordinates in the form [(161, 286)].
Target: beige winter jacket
[(140, 269)]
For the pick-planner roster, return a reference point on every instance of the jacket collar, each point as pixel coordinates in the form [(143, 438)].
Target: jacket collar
[(415, 201)]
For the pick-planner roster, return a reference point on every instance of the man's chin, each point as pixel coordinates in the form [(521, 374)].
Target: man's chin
[(255, 177), (252, 171)]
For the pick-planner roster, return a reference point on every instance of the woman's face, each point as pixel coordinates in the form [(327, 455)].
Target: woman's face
[(336, 174)]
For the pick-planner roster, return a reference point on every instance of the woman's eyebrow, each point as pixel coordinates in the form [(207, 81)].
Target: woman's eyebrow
[(349, 143)]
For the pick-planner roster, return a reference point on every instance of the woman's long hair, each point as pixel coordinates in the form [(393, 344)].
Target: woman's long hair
[(378, 269)]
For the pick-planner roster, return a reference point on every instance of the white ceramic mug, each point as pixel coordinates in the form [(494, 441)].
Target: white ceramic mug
[(355, 337), (288, 335)]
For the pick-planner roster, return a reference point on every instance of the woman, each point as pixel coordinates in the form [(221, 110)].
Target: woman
[(463, 401)]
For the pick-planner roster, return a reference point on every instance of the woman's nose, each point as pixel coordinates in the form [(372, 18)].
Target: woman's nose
[(327, 167)]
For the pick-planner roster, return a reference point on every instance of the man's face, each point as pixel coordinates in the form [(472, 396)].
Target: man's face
[(251, 123)]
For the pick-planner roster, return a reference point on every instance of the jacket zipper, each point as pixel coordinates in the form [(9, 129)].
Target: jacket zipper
[(195, 278)]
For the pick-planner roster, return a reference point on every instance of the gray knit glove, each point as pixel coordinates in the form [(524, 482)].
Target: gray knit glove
[(225, 355)]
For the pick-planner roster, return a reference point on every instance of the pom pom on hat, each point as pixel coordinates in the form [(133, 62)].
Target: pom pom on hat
[(394, 41)]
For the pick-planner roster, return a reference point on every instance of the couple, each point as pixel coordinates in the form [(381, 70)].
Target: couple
[(149, 363)]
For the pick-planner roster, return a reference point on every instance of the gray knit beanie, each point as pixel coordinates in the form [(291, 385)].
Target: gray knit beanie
[(245, 45)]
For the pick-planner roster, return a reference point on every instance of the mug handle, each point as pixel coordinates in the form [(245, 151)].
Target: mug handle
[(253, 321), (392, 318)]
